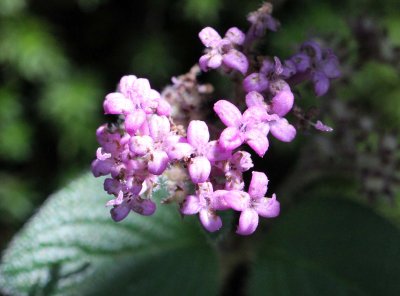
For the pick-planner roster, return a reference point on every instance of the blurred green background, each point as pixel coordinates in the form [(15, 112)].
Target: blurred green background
[(59, 58)]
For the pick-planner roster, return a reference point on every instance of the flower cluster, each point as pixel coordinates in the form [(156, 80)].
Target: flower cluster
[(223, 51), (315, 63), (148, 143), (157, 135)]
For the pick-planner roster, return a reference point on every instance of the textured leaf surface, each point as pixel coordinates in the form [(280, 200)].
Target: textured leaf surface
[(72, 247), (329, 247)]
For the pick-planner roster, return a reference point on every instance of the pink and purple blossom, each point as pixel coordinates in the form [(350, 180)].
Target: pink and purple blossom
[(223, 51), (169, 135)]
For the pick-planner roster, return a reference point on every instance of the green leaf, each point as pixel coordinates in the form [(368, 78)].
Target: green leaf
[(72, 247), (329, 247)]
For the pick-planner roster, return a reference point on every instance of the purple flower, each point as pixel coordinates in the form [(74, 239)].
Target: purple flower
[(281, 103), (155, 145), (139, 91), (319, 65), (271, 75), (248, 127), (261, 20), (301, 61), (239, 162), (253, 204), (222, 51), (205, 203), (200, 150), (120, 211), (135, 99)]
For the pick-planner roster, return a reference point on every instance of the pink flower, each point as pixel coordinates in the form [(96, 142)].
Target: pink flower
[(121, 209), (282, 102), (155, 144), (222, 50), (253, 204), (135, 99), (200, 150), (205, 203), (248, 127)]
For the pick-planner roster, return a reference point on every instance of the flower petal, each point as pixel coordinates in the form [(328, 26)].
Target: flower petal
[(255, 82), (198, 134), (117, 103), (228, 113), (101, 155), (268, 207), (179, 151), (235, 35), (112, 186), (254, 115), (203, 62), (158, 162), (234, 59), (231, 138), (257, 140), (191, 205), (159, 127), (102, 167), (217, 153), (330, 66), (258, 185), (210, 220), (164, 108), (218, 201), (237, 200), (282, 130), (120, 212), (145, 207), (282, 102), (248, 222), (116, 201), (209, 37), (321, 83), (141, 145), (301, 61), (199, 169), (141, 87), (215, 60), (134, 120), (125, 84), (254, 98)]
